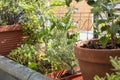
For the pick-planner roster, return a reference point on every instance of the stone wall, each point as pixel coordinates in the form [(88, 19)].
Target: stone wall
[(10, 70)]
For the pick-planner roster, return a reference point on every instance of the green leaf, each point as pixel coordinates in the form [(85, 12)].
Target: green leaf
[(117, 40), (57, 3), (98, 78), (104, 27), (91, 2), (114, 29), (104, 40), (101, 21), (68, 2), (32, 65), (96, 10), (78, 0), (27, 7)]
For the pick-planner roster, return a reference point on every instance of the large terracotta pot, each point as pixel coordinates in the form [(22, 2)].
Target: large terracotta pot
[(10, 38), (94, 61)]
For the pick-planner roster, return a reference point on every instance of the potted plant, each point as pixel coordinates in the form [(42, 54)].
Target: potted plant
[(56, 56), (93, 55), (18, 18), (10, 29), (35, 26)]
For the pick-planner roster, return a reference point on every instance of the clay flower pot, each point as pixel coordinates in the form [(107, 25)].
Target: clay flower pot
[(73, 77), (94, 61), (64, 75), (10, 38), (56, 74)]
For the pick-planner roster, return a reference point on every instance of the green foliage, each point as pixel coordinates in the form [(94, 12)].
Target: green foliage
[(42, 27), (114, 76), (36, 20), (26, 55), (106, 20), (57, 3), (60, 52), (10, 12), (59, 46)]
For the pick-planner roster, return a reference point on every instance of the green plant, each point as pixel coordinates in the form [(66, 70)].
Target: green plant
[(36, 19), (60, 52), (59, 45), (10, 12), (43, 28), (46, 34), (107, 21), (114, 76), (26, 55)]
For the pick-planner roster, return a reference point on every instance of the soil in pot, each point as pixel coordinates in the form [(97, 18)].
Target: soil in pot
[(95, 44)]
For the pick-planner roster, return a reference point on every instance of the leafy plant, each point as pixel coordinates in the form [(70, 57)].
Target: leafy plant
[(59, 45), (107, 21), (43, 28), (60, 52), (10, 12), (114, 76), (26, 55)]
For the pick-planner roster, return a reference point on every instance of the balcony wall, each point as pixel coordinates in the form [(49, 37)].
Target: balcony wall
[(10, 70)]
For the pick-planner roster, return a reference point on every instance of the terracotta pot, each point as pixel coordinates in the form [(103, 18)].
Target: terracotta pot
[(73, 77), (57, 74), (53, 75), (94, 61), (10, 38)]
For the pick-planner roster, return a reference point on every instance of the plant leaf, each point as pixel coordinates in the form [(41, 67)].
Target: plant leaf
[(68, 2), (104, 40), (114, 29)]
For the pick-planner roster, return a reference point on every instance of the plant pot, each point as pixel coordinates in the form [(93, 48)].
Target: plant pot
[(94, 61), (64, 75), (56, 74), (10, 38), (73, 77)]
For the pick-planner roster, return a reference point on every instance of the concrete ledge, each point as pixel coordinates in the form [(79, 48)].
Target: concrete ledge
[(14, 71)]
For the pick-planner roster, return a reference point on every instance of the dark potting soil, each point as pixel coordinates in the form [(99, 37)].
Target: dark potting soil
[(97, 45)]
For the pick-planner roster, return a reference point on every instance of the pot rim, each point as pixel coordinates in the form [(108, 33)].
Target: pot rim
[(10, 27), (80, 43)]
